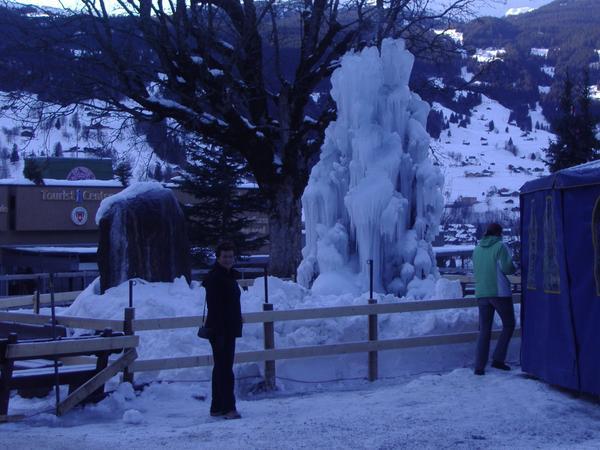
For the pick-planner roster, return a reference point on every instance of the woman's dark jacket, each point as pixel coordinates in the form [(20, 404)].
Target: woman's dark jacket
[(224, 314)]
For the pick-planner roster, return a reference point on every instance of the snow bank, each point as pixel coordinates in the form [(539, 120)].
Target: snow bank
[(135, 189), (158, 300)]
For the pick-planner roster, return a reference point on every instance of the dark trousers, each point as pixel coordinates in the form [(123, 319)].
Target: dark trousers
[(487, 306), (223, 398)]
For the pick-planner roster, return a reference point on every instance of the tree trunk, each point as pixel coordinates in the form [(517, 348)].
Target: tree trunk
[(285, 231)]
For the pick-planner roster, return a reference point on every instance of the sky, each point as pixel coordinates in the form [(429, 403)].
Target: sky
[(490, 8)]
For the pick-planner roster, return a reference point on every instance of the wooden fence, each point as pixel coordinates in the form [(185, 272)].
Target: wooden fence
[(37, 300), (130, 325)]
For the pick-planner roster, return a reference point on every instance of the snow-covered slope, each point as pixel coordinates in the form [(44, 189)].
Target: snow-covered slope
[(480, 166), (474, 160), (35, 128)]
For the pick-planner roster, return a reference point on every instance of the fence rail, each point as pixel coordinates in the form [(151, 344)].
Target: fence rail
[(312, 351), (20, 301), (315, 313), (269, 354)]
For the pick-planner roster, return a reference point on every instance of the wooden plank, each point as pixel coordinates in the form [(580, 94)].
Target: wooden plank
[(470, 279), (28, 350), (68, 321), (27, 300), (89, 323), (147, 365), (32, 319), (16, 301), (11, 418), (316, 313), (166, 323), (246, 282), (313, 351), (60, 297), (97, 381)]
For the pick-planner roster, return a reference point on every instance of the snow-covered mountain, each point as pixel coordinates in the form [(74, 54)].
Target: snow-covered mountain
[(33, 128), (486, 162), (479, 164)]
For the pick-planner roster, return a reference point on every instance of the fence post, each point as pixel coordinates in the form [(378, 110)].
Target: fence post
[(373, 331), (54, 337), (129, 331), (269, 334), (36, 296)]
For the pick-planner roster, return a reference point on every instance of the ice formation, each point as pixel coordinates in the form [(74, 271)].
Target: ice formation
[(374, 194)]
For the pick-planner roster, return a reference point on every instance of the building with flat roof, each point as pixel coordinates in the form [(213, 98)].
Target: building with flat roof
[(52, 228)]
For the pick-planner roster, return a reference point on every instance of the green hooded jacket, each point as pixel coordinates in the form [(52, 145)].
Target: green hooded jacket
[(491, 263)]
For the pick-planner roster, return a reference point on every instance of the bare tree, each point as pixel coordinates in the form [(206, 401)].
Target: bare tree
[(241, 74)]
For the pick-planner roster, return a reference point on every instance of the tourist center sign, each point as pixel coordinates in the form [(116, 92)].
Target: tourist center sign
[(74, 195)]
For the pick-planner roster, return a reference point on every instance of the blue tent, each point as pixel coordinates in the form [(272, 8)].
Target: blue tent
[(560, 260)]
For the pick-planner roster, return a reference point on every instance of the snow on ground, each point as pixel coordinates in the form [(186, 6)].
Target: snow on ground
[(548, 70), (453, 34), (425, 398), (488, 54), (441, 410), (465, 74), (518, 11), (543, 52)]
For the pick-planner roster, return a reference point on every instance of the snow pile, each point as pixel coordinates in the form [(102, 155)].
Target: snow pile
[(133, 417), (374, 194), (162, 300), (145, 188)]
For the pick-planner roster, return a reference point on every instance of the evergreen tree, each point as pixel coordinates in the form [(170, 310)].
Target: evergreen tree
[(34, 172), (589, 146), (75, 123), (511, 147), (58, 151), (576, 142), (491, 126), (4, 170), (157, 175), (123, 172), (222, 209), (14, 154)]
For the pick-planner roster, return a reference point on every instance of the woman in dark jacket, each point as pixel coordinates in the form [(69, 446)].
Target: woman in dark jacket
[(225, 319)]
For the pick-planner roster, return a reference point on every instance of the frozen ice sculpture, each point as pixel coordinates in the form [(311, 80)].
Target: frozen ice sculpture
[(374, 194)]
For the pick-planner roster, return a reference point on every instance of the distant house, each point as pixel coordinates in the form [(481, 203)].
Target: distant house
[(462, 202)]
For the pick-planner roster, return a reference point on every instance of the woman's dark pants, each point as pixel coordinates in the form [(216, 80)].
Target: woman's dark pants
[(223, 398), (487, 306)]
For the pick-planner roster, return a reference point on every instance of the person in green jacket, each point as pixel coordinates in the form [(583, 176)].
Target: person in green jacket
[(492, 262)]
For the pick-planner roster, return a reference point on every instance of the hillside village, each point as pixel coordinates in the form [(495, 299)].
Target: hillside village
[(486, 146)]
